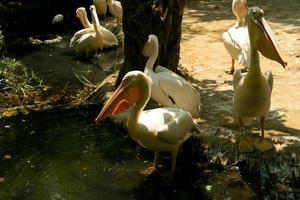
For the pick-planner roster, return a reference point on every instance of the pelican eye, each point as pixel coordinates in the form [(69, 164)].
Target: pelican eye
[(125, 79)]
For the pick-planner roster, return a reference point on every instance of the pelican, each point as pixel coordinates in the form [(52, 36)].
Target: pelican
[(158, 130), (115, 8), (168, 88), (96, 37), (239, 9), (101, 7), (81, 14), (236, 39), (87, 26), (252, 90)]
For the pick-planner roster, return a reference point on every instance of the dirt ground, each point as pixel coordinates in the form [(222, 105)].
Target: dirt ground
[(205, 59)]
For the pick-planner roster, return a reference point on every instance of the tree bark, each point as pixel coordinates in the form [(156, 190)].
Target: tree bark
[(144, 17)]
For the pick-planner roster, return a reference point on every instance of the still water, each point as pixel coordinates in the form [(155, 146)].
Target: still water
[(63, 154)]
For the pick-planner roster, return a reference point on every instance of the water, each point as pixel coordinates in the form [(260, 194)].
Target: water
[(65, 155), (62, 154), (59, 66)]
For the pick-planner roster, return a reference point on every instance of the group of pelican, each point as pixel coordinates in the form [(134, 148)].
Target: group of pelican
[(93, 36), (166, 128)]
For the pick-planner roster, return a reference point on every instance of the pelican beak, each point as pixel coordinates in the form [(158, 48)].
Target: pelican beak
[(121, 100), (267, 44)]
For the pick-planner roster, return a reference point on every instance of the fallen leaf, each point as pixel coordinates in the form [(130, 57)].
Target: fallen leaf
[(208, 187), (9, 113), (7, 126)]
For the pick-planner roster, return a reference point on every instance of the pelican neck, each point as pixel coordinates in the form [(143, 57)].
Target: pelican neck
[(254, 62), (151, 61)]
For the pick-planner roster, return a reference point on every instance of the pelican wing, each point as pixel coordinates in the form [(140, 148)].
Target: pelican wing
[(117, 9), (176, 126), (237, 77), (85, 43), (159, 69), (269, 77), (109, 38), (117, 3), (79, 34), (236, 42), (180, 92), (171, 86)]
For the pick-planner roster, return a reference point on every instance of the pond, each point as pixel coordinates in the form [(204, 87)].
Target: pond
[(62, 154)]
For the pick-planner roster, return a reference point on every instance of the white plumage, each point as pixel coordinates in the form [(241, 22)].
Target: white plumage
[(252, 90), (168, 88), (115, 8), (236, 39), (160, 129), (101, 7), (82, 15), (90, 38)]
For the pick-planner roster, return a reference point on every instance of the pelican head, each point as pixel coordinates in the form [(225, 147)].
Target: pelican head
[(134, 89), (261, 35), (92, 8), (81, 12), (150, 45), (239, 8)]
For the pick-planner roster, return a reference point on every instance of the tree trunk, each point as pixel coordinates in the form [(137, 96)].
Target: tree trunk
[(143, 17)]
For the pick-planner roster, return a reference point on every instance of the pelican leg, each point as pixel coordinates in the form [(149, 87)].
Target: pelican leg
[(262, 144), (232, 66), (246, 144), (151, 169), (262, 126), (156, 160), (231, 71), (174, 160)]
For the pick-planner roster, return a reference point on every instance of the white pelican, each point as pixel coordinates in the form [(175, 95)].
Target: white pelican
[(101, 7), (81, 14), (239, 9), (87, 26), (115, 8), (168, 88), (252, 90), (160, 129), (90, 39), (236, 39)]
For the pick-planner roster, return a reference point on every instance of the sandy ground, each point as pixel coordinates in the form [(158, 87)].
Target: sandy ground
[(205, 59)]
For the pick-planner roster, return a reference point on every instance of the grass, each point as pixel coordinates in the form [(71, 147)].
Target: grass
[(17, 80)]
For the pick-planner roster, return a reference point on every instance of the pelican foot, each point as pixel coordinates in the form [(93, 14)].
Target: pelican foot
[(246, 145), (245, 70), (263, 144), (148, 171), (231, 71)]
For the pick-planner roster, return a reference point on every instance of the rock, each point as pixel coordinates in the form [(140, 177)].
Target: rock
[(57, 19)]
